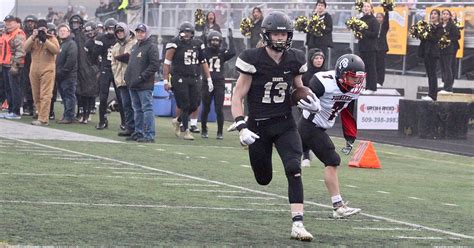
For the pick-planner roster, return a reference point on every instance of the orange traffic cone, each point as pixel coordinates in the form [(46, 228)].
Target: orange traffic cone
[(365, 156)]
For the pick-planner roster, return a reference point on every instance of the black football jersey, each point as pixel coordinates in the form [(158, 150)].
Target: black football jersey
[(188, 57), (103, 48), (269, 94), (216, 59)]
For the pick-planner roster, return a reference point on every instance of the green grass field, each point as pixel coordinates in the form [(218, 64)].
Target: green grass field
[(202, 193)]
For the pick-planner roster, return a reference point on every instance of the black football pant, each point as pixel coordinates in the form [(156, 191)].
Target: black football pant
[(282, 132), (106, 77), (218, 95), (187, 93), (430, 65), (380, 64), (369, 59)]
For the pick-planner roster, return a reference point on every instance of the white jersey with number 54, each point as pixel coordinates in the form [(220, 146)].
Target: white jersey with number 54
[(332, 99)]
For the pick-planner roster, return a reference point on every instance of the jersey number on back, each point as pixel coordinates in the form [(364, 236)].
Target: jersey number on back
[(335, 109), (215, 64), (190, 58), (278, 98)]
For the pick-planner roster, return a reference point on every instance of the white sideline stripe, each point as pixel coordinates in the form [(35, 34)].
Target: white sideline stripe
[(351, 220), (246, 197), (190, 184), (202, 157), (321, 180), (246, 166), (450, 204), (84, 162), (218, 183), (108, 163), (138, 173), (217, 191), (415, 198), (34, 150), (160, 150), (269, 204), (86, 175), (224, 162), (142, 206), (383, 192), (179, 153), (197, 146), (83, 159), (351, 186), (419, 238), (116, 168), (386, 229)]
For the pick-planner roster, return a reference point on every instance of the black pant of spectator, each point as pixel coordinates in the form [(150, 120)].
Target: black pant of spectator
[(454, 66), (380, 64), (430, 65), (447, 75), (28, 106), (87, 104), (369, 59), (218, 95), (53, 99), (106, 77)]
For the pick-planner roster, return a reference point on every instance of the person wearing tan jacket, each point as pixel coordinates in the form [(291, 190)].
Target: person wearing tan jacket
[(43, 48), (120, 55)]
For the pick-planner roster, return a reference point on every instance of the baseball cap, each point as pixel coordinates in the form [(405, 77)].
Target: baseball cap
[(9, 18), (141, 27)]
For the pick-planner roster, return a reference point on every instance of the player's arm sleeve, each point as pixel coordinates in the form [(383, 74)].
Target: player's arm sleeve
[(202, 54), (349, 125), (173, 44), (316, 86), (230, 53), (244, 63)]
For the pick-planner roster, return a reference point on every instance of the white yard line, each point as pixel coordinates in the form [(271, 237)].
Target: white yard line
[(351, 186), (217, 191), (139, 173), (218, 183), (419, 238), (415, 198), (121, 168), (246, 166), (386, 229), (246, 197), (90, 175), (450, 204), (383, 192), (351, 220), (190, 184)]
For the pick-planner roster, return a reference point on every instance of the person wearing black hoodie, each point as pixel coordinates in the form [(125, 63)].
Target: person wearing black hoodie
[(139, 77), (368, 47), (66, 73), (257, 25), (448, 54), (103, 47)]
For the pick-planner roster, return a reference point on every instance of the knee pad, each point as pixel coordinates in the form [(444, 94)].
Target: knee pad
[(293, 167)]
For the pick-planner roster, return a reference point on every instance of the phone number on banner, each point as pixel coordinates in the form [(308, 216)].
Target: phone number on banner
[(380, 119)]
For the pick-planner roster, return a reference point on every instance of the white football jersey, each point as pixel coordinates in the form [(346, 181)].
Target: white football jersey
[(332, 101)]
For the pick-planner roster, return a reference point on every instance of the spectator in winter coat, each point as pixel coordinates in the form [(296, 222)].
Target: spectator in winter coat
[(382, 46), (44, 48), (66, 73), (140, 77), (120, 56)]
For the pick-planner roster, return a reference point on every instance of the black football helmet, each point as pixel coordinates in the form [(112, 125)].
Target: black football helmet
[(214, 39), (350, 65), (90, 29), (51, 28), (186, 26), (110, 23), (277, 22)]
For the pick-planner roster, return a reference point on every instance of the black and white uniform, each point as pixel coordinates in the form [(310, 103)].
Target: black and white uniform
[(185, 74), (312, 126), (216, 57), (268, 102)]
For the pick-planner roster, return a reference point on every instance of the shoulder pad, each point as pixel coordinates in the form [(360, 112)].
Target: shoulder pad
[(246, 61)]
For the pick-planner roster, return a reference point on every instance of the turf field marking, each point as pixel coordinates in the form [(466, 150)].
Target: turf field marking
[(218, 183), (84, 163), (351, 219), (179, 153), (224, 162), (246, 166), (118, 168), (419, 238), (197, 146), (190, 184), (426, 158), (41, 151), (382, 192), (139, 173), (450, 204), (91, 175), (217, 191), (321, 180), (351, 186), (247, 197), (269, 204), (201, 157), (386, 229), (415, 198), (83, 159), (160, 150)]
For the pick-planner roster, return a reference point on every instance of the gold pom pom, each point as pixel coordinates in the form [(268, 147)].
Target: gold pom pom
[(301, 23), (199, 18), (316, 25), (357, 26), (246, 26), (420, 30), (387, 5), (444, 42), (359, 4)]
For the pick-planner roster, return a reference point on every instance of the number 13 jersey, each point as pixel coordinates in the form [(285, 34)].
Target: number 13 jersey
[(333, 99), (269, 93)]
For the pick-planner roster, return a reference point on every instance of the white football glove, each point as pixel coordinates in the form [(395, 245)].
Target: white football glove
[(233, 126), (312, 106), (247, 137), (348, 148), (210, 85)]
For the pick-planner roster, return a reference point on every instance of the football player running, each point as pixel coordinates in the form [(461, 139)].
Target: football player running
[(335, 90), (184, 59), (266, 76)]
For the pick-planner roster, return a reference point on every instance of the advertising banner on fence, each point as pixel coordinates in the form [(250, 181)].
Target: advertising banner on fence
[(460, 14), (397, 36), (378, 112)]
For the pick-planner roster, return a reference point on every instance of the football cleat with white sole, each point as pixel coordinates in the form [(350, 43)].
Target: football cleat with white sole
[(298, 232), (306, 163), (344, 211), (177, 130)]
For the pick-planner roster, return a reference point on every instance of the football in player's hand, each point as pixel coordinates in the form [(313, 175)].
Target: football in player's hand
[(300, 93)]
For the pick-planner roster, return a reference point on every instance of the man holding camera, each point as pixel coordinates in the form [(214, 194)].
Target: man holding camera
[(43, 48)]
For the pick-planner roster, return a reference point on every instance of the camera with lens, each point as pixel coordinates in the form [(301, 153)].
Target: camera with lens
[(42, 35)]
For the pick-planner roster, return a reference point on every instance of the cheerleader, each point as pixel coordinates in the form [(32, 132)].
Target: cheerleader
[(382, 46), (448, 54), (368, 47)]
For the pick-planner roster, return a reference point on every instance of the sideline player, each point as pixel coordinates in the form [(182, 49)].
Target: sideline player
[(335, 90), (266, 76)]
